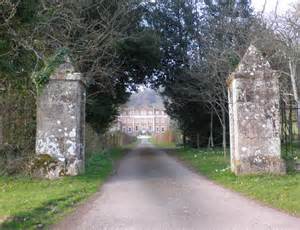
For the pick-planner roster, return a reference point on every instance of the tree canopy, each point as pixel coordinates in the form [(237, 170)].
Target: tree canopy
[(104, 39), (185, 49)]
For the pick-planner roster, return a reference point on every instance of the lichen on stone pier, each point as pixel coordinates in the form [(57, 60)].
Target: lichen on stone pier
[(61, 121), (254, 117)]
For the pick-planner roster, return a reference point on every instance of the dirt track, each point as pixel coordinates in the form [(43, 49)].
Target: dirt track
[(151, 190)]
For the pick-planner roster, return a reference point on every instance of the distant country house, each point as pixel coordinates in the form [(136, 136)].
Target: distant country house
[(143, 120)]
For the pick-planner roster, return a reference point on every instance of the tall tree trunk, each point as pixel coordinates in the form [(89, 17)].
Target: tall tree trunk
[(224, 135), (211, 134), (298, 119), (291, 126), (198, 140), (184, 139), (293, 67)]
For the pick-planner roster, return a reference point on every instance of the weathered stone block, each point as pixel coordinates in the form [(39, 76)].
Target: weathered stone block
[(254, 117), (61, 120)]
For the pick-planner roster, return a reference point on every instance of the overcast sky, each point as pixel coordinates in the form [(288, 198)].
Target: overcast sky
[(271, 4)]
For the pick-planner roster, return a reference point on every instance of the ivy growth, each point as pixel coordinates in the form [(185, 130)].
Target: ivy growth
[(41, 77)]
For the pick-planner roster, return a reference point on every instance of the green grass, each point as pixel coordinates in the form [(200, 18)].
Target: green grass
[(164, 145), (281, 192), (160, 144), (27, 203), (131, 145)]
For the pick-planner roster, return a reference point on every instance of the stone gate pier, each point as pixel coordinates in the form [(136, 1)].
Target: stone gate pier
[(254, 117), (61, 123)]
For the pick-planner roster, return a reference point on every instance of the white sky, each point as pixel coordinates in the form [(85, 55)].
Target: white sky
[(283, 5)]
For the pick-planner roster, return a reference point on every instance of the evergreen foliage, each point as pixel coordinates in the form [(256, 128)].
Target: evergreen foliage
[(41, 77), (105, 41), (185, 49), (201, 43)]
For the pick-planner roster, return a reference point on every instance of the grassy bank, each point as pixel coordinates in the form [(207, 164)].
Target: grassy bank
[(27, 203), (161, 144), (281, 192), (164, 145)]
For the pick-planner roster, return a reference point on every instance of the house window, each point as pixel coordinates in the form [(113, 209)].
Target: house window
[(129, 130), (163, 129), (136, 128)]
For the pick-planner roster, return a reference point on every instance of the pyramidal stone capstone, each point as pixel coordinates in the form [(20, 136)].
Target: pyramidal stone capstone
[(253, 91)]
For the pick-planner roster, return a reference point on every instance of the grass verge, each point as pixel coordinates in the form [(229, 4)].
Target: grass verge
[(160, 144), (27, 203), (281, 192)]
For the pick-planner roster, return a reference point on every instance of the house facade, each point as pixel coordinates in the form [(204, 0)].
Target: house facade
[(143, 120)]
